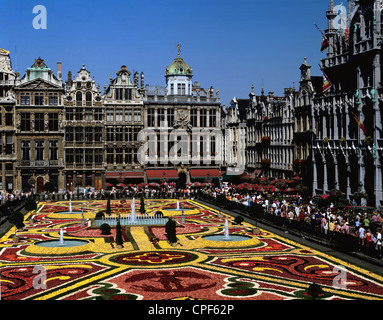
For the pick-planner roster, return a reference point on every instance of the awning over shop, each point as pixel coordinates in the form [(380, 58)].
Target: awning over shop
[(125, 175), (161, 174), (205, 173)]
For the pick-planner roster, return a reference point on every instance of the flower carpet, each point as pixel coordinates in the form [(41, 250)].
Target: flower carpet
[(261, 266)]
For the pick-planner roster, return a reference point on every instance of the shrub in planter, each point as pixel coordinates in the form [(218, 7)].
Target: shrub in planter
[(170, 228), (17, 219), (100, 215), (314, 290), (105, 229), (238, 219), (159, 214), (30, 204)]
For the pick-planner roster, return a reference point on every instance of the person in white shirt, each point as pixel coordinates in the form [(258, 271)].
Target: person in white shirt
[(378, 242), (361, 235)]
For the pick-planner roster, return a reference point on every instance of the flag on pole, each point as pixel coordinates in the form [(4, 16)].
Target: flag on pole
[(325, 44), (347, 34), (359, 123), (326, 83)]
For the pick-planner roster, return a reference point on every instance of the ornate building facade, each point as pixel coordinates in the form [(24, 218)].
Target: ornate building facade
[(7, 123), (124, 119), (183, 120), (76, 137), (347, 120), (303, 126), (39, 136), (84, 132), (260, 130)]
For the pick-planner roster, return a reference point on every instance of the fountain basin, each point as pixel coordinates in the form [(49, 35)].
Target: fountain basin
[(221, 238), (53, 247), (128, 222), (178, 212), (68, 212), (235, 241), (56, 243)]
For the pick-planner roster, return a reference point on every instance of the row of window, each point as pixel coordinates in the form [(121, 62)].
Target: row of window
[(206, 118), (127, 115), (39, 123), (38, 99), (81, 156), (39, 150)]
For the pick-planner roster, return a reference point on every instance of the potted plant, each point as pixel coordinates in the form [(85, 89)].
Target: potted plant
[(30, 204), (171, 233), (17, 219), (105, 229)]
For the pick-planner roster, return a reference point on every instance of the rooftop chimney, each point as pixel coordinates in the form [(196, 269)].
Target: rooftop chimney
[(59, 73)]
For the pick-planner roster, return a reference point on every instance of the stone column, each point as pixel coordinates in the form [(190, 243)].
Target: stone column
[(337, 185), (336, 135), (348, 191), (362, 172), (378, 182), (61, 182), (325, 183), (315, 175)]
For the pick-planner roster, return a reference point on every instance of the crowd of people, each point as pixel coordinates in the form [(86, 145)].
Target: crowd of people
[(295, 210), (292, 209), (6, 197)]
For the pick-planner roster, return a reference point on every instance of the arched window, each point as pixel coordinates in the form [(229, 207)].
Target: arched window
[(88, 98), (79, 98)]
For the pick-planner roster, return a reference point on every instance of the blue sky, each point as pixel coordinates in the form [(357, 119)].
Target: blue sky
[(229, 44)]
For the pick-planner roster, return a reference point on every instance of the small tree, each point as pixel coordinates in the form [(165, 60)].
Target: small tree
[(142, 206), (171, 233), (108, 208), (49, 187), (119, 240)]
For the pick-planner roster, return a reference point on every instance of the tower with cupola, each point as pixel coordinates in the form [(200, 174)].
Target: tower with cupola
[(179, 77)]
